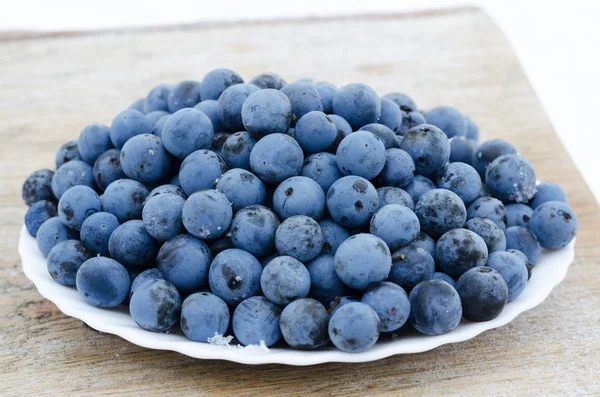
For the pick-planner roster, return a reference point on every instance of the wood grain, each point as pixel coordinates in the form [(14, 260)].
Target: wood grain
[(51, 88)]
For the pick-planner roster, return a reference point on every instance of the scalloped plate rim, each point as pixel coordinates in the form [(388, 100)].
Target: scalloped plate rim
[(548, 273)]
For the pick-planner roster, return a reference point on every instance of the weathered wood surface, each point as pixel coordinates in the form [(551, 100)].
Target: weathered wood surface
[(50, 88)]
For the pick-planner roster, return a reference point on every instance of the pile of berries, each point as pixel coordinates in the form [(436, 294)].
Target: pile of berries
[(299, 212)]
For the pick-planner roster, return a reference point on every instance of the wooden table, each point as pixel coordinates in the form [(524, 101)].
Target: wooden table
[(50, 87)]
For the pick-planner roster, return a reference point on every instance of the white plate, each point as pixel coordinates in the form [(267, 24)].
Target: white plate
[(549, 272)]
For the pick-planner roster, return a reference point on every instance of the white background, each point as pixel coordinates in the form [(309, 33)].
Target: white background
[(557, 42)]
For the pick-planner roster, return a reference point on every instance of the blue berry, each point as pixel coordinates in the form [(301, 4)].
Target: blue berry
[(107, 168), (472, 130), (490, 208), (418, 187), (216, 81), (67, 152), (186, 131), (461, 150), (52, 232), (384, 133), (395, 224), (326, 91), (449, 120), (394, 195), (518, 214), (494, 237), (201, 170), (73, 173), (256, 320), (102, 282), (124, 198), (555, 224), (522, 239), (513, 270), (131, 245), (38, 186), (322, 168), (403, 101), (77, 204), (155, 306), (547, 191), (354, 327), (203, 315), (399, 169), (488, 152), (128, 124), (343, 130), (218, 141), (237, 148), (268, 80), (221, 245), (333, 236), (511, 178), (435, 307), (37, 214), (242, 188), (253, 229), (166, 189), (325, 284), (207, 214), (391, 115), (410, 266), (276, 157), (410, 120), (184, 261), (211, 108), (299, 237), (65, 259), (391, 304), (429, 148), (444, 277), (361, 153), (358, 104), (521, 255), (93, 141), (185, 94), (459, 250), (162, 216), (138, 105), (315, 132), (147, 276), (299, 195), (352, 201), (235, 275), (144, 159), (340, 301), (285, 279), (304, 98), (153, 117), (157, 98), (423, 240), (363, 260), (304, 324), (461, 179), (439, 211), (483, 293), (230, 105), (266, 111)]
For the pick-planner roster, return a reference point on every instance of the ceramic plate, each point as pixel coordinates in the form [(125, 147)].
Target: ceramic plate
[(549, 272)]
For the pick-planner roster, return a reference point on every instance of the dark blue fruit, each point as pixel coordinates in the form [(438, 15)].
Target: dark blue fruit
[(483, 293), (103, 282), (435, 307), (155, 306)]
